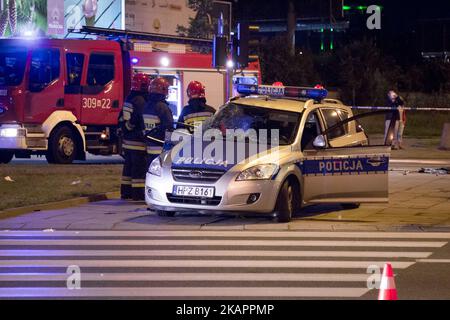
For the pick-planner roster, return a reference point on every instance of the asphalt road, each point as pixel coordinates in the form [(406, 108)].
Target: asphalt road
[(220, 264)]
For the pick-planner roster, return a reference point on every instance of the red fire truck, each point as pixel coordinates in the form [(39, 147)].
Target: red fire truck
[(61, 97)]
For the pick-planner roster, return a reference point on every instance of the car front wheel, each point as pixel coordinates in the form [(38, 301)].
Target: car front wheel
[(288, 201)]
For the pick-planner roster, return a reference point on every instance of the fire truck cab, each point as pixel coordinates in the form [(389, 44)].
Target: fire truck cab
[(61, 97)]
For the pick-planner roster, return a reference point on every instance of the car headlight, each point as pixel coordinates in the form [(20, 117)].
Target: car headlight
[(259, 172), (12, 132), (155, 167)]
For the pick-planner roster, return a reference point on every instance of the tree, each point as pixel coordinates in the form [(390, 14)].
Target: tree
[(278, 64), (202, 25)]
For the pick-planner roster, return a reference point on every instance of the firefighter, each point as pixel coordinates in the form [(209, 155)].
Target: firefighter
[(157, 114), (131, 126), (197, 110)]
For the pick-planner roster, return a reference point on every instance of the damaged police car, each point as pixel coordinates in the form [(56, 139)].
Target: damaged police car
[(272, 150)]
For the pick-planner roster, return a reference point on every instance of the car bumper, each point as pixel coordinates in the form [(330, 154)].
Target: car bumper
[(230, 196)]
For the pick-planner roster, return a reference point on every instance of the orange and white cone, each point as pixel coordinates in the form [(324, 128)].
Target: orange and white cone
[(387, 285)]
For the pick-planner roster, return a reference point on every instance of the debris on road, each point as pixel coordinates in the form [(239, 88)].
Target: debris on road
[(440, 171), (9, 179), (75, 182)]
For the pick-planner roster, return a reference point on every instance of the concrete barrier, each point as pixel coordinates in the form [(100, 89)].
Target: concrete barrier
[(445, 137)]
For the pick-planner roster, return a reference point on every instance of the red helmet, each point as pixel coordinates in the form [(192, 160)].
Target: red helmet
[(278, 84), (140, 82), (159, 86), (195, 89)]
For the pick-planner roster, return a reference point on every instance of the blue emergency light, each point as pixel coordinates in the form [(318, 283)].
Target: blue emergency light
[(280, 91)]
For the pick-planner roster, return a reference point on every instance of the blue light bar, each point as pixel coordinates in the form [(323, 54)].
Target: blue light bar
[(277, 91)]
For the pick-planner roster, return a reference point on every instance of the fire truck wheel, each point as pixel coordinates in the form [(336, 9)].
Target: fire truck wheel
[(162, 213), (62, 146), (288, 201), (6, 156)]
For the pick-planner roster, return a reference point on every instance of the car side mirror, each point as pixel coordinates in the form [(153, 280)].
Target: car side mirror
[(319, 142)]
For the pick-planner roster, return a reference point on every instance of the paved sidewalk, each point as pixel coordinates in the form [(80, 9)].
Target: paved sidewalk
[(417, 202)]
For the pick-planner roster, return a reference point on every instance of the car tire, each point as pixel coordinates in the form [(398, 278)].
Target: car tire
[(6, 156), (349, 206), (288, 201), (162, 213), (62, 146)]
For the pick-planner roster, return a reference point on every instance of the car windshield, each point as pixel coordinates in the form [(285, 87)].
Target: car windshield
[(234, 116), (12, 65)]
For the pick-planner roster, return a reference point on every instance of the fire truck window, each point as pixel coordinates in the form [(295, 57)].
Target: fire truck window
[(101, 69), (44, 68), (331, 118), (12, 65), (74, 68)]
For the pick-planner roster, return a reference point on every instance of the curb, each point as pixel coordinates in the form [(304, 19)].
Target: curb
[(8, 213)]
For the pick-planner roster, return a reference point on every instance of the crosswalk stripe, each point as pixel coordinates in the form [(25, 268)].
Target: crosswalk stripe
[(225, 264), (336, 277), (206, 253), (232, 234), (207, 292), (258, 243), (331, 264)]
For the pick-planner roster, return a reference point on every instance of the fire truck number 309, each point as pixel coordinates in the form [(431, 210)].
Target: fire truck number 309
[(93, 103)]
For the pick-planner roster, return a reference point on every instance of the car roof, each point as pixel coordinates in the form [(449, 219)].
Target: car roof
[(292, 105), (287, 104)]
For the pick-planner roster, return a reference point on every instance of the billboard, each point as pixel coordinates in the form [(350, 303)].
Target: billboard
[(18, 17), (92, 13), (193, 18)]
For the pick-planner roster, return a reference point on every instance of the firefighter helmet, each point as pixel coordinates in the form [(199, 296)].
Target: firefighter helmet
[(195, 89), (159, 86), (140, 82), (278, 84)]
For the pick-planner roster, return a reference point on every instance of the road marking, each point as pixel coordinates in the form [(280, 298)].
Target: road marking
[(434, 260), (335, 277), (233, 234), (330, 264), (204, 253), (231, 243), (207, 292)]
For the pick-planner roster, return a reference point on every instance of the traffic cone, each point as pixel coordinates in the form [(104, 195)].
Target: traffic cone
[(387, 285)]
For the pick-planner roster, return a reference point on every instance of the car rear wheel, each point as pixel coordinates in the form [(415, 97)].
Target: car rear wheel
[(288, 201), (6, 156), (162, 213), (62, 146)]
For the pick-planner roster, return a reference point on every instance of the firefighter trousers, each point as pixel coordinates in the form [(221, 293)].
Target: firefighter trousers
[(133, 175)]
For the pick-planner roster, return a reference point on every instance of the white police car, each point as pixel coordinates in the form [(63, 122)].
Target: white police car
[(313, 151)]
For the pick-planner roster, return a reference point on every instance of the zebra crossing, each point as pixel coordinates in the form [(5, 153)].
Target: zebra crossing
[(203, 264)]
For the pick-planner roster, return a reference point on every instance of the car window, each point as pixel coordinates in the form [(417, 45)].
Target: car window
[(331, 118), (101, 69), (75, 63), (44, 68), (12, 65), (311, 130)]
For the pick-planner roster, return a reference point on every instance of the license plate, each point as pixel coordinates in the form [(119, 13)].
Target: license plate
[(191, 191)]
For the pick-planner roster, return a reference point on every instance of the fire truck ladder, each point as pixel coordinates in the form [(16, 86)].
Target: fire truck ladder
[(137, 35)]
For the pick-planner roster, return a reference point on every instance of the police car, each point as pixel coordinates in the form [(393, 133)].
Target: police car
[(322, 155)]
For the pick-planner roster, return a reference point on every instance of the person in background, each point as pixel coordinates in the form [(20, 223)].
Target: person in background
[(401, 126), (197, 111), (131, 127), (393, 102)]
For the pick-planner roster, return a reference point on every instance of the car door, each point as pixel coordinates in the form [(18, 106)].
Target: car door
[(45, 92), (101, 96), (343, 174)]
